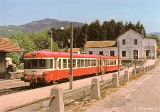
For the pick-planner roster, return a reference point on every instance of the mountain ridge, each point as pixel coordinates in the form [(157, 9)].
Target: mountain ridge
[(36, 25), (154, 33)]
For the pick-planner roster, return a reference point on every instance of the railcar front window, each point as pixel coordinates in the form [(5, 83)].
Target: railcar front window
[(34, 63), (41, 63), (38, 63)]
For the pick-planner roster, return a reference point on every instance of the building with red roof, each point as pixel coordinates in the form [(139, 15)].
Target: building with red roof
[(5, 47)]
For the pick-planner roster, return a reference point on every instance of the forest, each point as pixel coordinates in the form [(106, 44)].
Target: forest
[(95, 31)]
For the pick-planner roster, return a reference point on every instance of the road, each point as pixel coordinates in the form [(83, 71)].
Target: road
[(141, 95)]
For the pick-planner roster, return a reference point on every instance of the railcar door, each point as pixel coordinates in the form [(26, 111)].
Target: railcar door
[(101, 69)]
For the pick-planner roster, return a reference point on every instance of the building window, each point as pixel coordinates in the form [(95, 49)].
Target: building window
[(100, 52), (90, 52), (135, 41), (111, 53), (123, 42), (123, 53)]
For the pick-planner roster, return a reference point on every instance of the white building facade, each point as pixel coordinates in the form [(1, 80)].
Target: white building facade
[(131, 45)]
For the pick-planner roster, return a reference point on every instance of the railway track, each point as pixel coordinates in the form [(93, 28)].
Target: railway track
[(14, 90), (25, 88)]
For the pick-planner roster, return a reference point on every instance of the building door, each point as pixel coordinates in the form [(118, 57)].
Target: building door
[(148, 53), (135, 54)]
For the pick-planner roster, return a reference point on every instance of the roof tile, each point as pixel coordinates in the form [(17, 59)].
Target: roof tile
[(7, 46), (100, 44)]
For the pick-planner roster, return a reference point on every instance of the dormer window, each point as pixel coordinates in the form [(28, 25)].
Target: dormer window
[(123, 41)]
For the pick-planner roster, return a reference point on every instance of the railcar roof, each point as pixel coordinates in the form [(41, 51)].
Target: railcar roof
[(50, 54)]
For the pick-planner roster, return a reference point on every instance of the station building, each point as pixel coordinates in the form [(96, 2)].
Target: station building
[(131, 44)]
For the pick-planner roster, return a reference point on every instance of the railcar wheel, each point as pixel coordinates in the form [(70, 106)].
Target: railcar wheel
[(33, 83), (52, 82)]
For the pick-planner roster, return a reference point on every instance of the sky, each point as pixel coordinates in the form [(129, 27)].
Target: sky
[(19, 12)]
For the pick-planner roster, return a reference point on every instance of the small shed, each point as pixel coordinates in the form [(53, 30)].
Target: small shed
[(5, 47), (75, 50)]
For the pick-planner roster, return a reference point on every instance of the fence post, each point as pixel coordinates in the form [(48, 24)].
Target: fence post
[(140, 72), (144, 70), (95, 89), (115, 82), (134, 73), (56, 103), (126, 76), (148, 67)]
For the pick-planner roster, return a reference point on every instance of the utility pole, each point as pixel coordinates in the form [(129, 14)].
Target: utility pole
[(71, 60), (135, 56), (51, 39), (118, 59)]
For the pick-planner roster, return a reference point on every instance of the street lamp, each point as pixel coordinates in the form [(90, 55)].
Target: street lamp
[(50, 32)]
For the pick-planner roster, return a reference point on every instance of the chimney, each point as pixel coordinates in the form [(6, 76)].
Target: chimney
[(142, 32)]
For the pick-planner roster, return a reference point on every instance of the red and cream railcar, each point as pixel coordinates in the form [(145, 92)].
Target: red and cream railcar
[(47, 66)]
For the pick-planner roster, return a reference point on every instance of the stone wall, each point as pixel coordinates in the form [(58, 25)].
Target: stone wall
[(2, 64)]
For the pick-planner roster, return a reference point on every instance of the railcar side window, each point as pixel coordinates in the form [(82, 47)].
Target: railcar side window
[(111, 62), (114, 62), (51, 63), (64, 63), (74, 63), (59, 63), (89, 62), (78, 62), (86, 62), (68, 63), (92, 62), (82, 63), (107, 61), (98, 62), (55, 63)]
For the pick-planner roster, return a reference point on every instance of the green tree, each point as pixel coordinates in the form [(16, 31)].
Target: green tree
[(119, 28), (94, 31), (104, 30), (23, 42), (154, 36), (111, 30)]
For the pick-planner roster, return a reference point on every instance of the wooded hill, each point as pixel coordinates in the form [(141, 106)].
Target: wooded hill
[(45, 24)]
